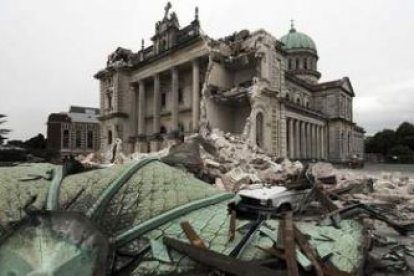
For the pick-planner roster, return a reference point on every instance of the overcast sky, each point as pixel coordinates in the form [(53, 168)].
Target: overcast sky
[(50, 49)]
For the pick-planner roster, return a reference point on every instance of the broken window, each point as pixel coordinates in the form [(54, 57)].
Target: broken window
[(90, 139), (65, 139), (259, 129), (109, 137)]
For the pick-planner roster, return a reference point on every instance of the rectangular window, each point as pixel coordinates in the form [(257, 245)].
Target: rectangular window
[(90, 139), (78, 139), (65, 143), (109, 101), (163, 100), (180, 96), (109, 137)]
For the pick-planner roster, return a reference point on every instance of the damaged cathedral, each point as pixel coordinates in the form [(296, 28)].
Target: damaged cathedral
[(251, 84)]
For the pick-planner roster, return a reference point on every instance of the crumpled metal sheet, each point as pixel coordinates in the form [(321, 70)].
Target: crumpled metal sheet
[(155, 189), (14, 194)]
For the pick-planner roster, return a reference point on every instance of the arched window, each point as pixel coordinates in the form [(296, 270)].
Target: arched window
[(259, 129), (297, 64), (287, 96), (298, 101), (65, 142), (109, 137), (290, 64), (305, 64), (90, 139)]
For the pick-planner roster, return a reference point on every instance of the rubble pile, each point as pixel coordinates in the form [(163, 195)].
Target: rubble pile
[(382, 205), (232, 163)]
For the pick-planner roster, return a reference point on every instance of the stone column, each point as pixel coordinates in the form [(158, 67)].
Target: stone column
[(321, 138), (308, 141), (155, 143), (196, 94), (318, 142), (297, 139), (174, 100), (134, 116), (314, 142), (311, 145), (322, 142), (303, 141), (291, 139), (142, 144)]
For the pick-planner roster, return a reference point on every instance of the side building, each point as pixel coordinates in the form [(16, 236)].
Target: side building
[(248, 83), (74, 132)]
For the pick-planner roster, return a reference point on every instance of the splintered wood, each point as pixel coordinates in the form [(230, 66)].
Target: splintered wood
[(289, 244)]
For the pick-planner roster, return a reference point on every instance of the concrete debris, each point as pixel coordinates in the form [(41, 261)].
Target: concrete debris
[(239, 163), (324, 172), (231, 163)]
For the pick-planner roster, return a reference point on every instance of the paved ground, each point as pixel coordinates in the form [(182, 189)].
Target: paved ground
[(376, 169)]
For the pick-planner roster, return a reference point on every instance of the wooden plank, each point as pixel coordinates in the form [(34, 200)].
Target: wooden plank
[(289, 245), (192, 235), (232, 227), (308, 250), (324, 199)]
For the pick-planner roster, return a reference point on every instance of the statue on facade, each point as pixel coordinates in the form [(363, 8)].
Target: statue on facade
[(167, 10)]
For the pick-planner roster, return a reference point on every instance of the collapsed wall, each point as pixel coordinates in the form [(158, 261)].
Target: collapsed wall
[(242, 83)]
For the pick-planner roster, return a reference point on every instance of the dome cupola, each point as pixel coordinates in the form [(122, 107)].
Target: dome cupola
[(297, 40), (302, 55)]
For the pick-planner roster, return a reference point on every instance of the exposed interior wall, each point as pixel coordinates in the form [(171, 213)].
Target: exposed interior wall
[(220, 76), (229, 118), (244, 75)]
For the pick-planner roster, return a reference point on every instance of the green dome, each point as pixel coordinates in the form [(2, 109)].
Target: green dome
[(297, 40)]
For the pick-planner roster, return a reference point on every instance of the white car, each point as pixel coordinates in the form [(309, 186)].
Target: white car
[(271, 200)]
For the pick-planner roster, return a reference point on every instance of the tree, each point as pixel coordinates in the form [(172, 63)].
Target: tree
[(381, 142), (405, 135), (3, 131), (402, 153), (36, 142), (405, 129)]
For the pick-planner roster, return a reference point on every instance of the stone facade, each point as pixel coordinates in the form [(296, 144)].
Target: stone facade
[(250, 84), (74, 132)]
